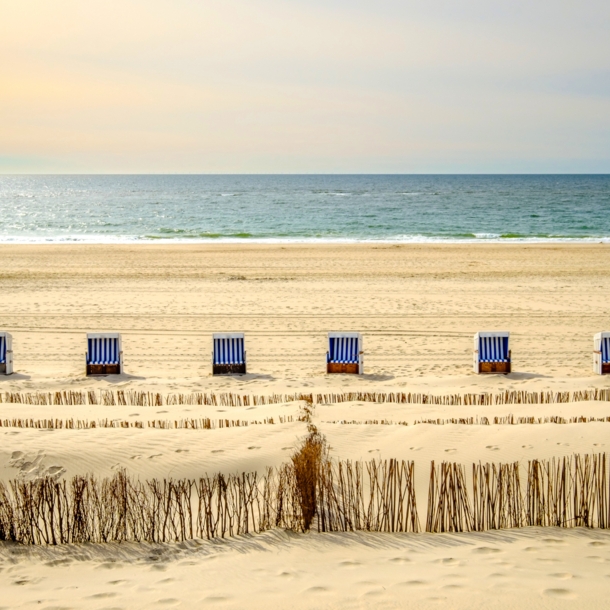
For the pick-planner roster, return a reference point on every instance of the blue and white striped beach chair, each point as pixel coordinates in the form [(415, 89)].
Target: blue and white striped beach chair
[(104, 354), (6, 353), (229, 355), (491, 353), (345, 353), (601, 353)]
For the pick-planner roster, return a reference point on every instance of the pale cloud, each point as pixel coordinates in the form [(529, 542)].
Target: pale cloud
[(270, 86)]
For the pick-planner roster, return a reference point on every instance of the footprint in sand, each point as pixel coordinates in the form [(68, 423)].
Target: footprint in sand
[(561, 575), (217, 450), (253, 447), (597, 543), (317, 590), (400, 560), (102, 595), (450, 450), (150, 457), (286, 448), (492, 447), (527, 446), (182, 450), (447, 561), (563, 593), (135, 457)]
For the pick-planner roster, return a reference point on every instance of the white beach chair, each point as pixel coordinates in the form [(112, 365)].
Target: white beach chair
[(229, 354), (104, 354), (491, 353), (345, 353), (601, 353), (6, 353)]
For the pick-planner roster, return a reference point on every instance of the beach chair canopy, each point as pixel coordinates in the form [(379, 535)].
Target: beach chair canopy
[(103, 348), (492, 346), (605, 348), (229, 348), (344, 348)]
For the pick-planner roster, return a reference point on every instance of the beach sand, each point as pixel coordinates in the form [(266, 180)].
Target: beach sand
[(417, 307)]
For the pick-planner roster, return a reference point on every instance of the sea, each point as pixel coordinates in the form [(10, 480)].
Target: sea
[(304, 208)]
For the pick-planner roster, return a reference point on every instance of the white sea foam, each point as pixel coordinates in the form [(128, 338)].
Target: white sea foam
[(402, 239)]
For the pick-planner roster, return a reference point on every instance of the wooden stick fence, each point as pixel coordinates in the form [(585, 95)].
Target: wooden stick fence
[(567, 492), (377, 496), (203, 423), (506, 420), (151, 399), (346, 496)]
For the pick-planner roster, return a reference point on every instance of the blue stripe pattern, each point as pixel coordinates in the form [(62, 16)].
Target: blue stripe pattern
[(605, 349), (103, 350), (229, 350), (2, 349), (343, 350), (493, 349)]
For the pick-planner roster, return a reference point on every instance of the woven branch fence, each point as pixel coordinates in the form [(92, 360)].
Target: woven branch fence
[(152, 399)]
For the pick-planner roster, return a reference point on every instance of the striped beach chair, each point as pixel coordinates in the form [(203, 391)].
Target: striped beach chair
[(104, 354), (344, 353), (491, 353), (6, 353), (229, 355), (601, 353)]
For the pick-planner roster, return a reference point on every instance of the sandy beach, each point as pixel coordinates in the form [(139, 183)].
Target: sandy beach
[(417, 307)]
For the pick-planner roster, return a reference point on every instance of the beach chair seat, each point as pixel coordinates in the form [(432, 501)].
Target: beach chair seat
[(104, 354), (229, 354), (6, 353), (491, 353), (601, 353), (344, 353)]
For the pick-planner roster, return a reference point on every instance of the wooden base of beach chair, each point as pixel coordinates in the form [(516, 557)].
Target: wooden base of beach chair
[(494, 367), (2, 369), (606, 369), (336, 367), (103, 369), (229, 369)]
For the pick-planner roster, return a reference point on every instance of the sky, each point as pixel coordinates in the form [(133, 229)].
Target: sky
[(295, 86)]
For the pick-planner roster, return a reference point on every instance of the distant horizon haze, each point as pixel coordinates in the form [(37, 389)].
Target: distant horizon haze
[(334, 87)]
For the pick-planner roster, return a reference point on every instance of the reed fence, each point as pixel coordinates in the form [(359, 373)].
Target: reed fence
[(152, 399)]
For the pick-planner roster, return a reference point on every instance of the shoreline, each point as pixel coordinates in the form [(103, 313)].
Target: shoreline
[(415, 241)]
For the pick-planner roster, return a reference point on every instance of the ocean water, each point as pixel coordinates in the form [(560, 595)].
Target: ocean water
[(304, 208)]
